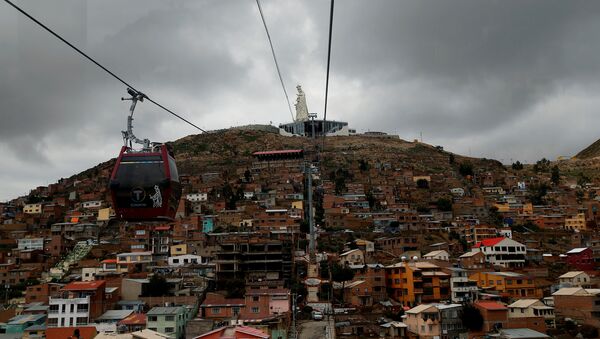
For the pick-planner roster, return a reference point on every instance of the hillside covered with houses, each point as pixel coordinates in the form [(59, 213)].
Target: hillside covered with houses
[(412, 241)]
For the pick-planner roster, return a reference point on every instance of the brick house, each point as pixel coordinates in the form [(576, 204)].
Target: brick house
[(581, 259)]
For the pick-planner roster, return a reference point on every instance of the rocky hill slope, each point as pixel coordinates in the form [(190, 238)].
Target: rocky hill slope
[(592, 151)]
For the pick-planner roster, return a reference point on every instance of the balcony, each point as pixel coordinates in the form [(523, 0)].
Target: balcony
[(464, 289)]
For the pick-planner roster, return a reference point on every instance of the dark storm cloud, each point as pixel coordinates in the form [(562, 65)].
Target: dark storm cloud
[(504, 79)]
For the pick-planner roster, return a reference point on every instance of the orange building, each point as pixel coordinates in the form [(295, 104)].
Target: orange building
[(507, 284), (412, 283)]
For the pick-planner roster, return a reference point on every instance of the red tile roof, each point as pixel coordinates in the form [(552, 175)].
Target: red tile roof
[(85, 332), (134, 319), (215, 299), (489, 242), (491, 305), (109, 261), (285, 151), (85, 285)]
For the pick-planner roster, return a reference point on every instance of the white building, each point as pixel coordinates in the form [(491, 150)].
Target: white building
[(528, 308), (92, 204), (574, 279), (30, 244), (186, 259), (458, 191), (79, 300), (352, 257), (502, 252), (197, 197), (462, 289), (437, 255)]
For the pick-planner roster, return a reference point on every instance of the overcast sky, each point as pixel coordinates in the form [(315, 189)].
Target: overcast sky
[(510, 80)]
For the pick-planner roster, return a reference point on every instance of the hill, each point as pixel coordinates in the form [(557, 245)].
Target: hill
[(234, 147), (592, 151), (229, 152)]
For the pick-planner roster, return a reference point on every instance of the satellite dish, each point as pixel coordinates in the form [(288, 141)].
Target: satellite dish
[(415, 258)]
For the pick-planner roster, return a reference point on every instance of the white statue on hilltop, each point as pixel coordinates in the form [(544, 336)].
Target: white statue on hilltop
[(301, 108)]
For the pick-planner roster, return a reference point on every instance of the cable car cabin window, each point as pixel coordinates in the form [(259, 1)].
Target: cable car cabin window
[(136, 179), (173, 170)]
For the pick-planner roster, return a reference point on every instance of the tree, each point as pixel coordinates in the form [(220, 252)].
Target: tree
[(363, 165), (542, 165), (472, 318), (582, 179), (157, 286), (555, 176), (304, 227), (465, 168), (341, 274), (517, 166), (423, 183), (495, 217), (537, 194), (235, 288), (324, 269), (444, 204)]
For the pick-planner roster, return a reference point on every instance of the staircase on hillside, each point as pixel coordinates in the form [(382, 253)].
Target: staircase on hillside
[(78, 252)]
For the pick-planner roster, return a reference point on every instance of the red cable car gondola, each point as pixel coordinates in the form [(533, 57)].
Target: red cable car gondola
[(144, 183)]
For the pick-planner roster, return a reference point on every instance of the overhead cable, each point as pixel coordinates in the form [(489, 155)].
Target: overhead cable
[(98, 64), (327, 74), (275, 58)]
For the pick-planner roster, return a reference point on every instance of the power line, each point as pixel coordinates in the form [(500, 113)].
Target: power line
[(274, 57), (327, 74), (97, 63)]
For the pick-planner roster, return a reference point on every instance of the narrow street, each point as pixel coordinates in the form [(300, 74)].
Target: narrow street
[(317, 329), (312, 329)]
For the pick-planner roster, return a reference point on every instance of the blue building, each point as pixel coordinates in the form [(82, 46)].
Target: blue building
[(19, 323)]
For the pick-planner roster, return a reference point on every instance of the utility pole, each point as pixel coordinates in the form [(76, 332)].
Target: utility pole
[(312, 117), (293, 331), (311, 222)]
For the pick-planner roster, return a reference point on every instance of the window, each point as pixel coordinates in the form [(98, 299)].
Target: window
[(82, 308), (215, 310), (255, 310), (72, 308), (169, 318), (169, 330), (235, 310), (53, 322), (255, 298), (82, 321), (151, 318), (175, 261)]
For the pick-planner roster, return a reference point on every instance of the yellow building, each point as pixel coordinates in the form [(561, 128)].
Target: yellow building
[(576, 222), (105, 214), (412, 283), (32, 209), (179, 249), (298, 204), (507, 284)]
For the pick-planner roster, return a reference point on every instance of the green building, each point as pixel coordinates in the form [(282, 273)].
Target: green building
[(168, 320)]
